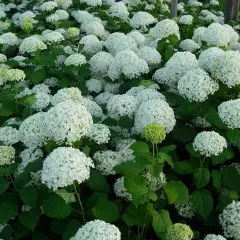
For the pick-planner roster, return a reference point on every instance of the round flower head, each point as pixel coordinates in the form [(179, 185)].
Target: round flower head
[(15, 75), (65, 94), (67, 122), (94, 85), (214, 237), (155, 183), (103, 98), (196, 85), (121, 106), (201, 122), (179, 231), (208, 58), (118, 9), (51, 82), (148, 94), (92, 107), (95, 28), (7, 154), (189, 45), (209, 143), (43, 88), (137, 37), (227, 68), (154, 111), (186, 210), (186, 19), (91, 45), (31, 45), (53, 37), (100, 63), (64, 4), (65, 165), (99, 133), (154, 133), (41, 101), (76, 59), (96, 230), (230, 220), (3, 58), (120, 190), (9, 135), (92, 3), (48, 6), (112, 88), (9, 39), (32, 130), (229, 113), (142, 20), (72, 32), (62, 14)]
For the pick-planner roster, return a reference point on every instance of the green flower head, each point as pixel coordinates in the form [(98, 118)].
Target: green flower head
[(154, 133), (179, 231)]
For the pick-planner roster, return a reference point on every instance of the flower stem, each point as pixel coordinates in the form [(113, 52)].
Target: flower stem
[(80, 203), (11, 179)]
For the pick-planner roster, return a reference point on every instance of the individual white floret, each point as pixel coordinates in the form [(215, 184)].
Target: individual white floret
[(7, 155), (213, 236), (122, 106), (118, 9), (93, 108), (99, 133), (67, 122), (96, 230), (76, 59), (137, 36), (64, 166), (154, 111), (92, 3), (150, 55), (94, 85), (31, 45), (141, 20), (9, 39), (186, 19), (209, 143), (120, 189), (197, 85), (9, 135), (91, 45), (189, 45)]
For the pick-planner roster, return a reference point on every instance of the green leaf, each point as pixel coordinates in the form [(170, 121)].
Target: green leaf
[(57, 226), (56, 207), (178, 187), (68, 197), (191, 150), (183, 133), (164, 157), (106, 210), (203, 202), (126, 122), (71, 229), (29, 219), (183, 168), (217, 179), (201, 177), (136, 185), (223, 157), (39, 236), (140, 147), (97, 182), (168, 53), (168, 149), (231, 178), (91, 202), (6, 111), (161, 221), (3, 185), (29, 196)]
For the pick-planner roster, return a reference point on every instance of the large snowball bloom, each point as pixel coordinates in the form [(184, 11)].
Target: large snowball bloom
[(31, 45)]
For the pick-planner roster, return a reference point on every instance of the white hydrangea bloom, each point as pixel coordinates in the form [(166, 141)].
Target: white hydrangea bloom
[(117, 42), (194, 3), (122, 105), (51, 82), (100, 63), (137, 37), (94, 28), (118, 9), (108, 2), (229, 113), (9, 135), (93, 108), (48, 6), (41, 102), (73, 94), (124, 144), (227, 68), (15, 75), (92, 3), (32, 130), (91, 45), (9, 39), (41, 88), (94, 85), (7, 155), (99, 133), (198, 34), (135, 90), (208, 58), (178, 65), (120, 190), (53, 37), (31, 45), (96, 230), (163, 29), (67, 122), (149, 94), (230, 220), (3, 58), (82, 16), (76, 59), (186, 19), (155, 183), (201, 122), (186, 210), (65, 165), (128, 63), (154, 111), (73, 32), (213, 236), (234, 36), (103, 98), (209, 143), (62, 14), (142, 20), (53, 18), (197, 85), (150, 55), (112, 87), (64, 4), (189, 45)]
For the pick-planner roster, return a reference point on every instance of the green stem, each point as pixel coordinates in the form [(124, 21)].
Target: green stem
[(80, 203), (153, 149), (11, 179)]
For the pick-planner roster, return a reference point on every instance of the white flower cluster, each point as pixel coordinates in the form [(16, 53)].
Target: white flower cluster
[(201, 122), (31, 45), (209, 143), (189, 45), (93, 108), (214, 237), (186, 19), (227, 68), (186, 210), (48, 6), (64, 166), (229, 113), (99, 133), (119, 10), (96, 230), (155, 183), (197, 85), (94, 85), (9, 39), (138, 37), (91, 45), (64, 4), (230, 220), (92, 3), (7, 155), (120, 189), (128, 63), (121, 106), (9, 135), (53, 37), (154, 111), (76, 59), (142, 20)]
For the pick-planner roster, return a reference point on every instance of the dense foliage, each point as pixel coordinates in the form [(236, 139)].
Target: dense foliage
[(118, 122)]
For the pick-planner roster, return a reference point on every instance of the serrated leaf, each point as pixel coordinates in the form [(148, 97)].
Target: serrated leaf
[(201, 177)]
